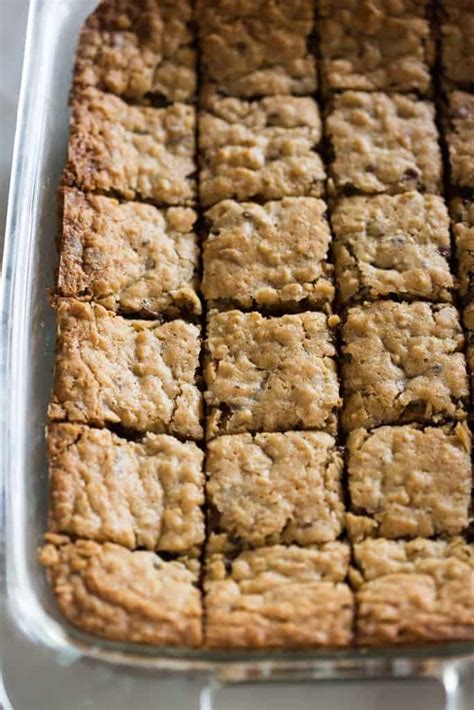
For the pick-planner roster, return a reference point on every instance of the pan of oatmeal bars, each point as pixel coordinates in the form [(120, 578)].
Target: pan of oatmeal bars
[(238, 316)]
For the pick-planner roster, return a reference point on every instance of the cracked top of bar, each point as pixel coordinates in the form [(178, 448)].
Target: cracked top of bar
[(462, 214), (137, 494), (139, 374), (278, 597), (375, 45), (139, 49), (269, 256), (129, 257), (124, 595), (255, 48), (383, 143), (414, 591), (132, 151), (259, 149), (402, 363), (392, 245), (276, 488), (460, 138), (411, 481), (270, 374)]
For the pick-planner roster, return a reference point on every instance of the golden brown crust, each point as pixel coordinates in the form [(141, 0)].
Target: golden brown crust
[(259, 149), (257, 47), (270, 256), (375, 45), (392, 245), (118, 594), (139, 49), (129, 257), (137, 494), (383, 143), (270, 374), (416, 591), (411, 481), (276, 488), (139, 374), (279, 597), (460, 138), (402, 363), (457, 41), (133, 151), (462, 213)]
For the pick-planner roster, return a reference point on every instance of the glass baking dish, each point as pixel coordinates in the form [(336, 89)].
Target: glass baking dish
[(28, 346)]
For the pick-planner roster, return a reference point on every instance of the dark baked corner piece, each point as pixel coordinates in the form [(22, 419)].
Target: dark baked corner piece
[(462, 215), (132, 151), (392, 246), (383, 143), (128, 256), (375, 45), (277, 597), (271, 256), (409, 481), (456, 19), (413, 592), (270, 374), (146, 494), (460, 138), (256, 48), (262, 149), (275, 488), (402, 363), (138, 597), (139, 374), (139, 49)]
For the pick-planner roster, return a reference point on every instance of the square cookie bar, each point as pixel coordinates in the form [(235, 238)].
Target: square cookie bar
[(139, 374), (375, 45), (402, 363), (392, 245), (257, 48), (383, 143), (277, 597), (137, 494), (275, 488), (132, 151), (141, 50), (457, 41), (268, 256), (124, 595), (129, 257), (259, 149), (410, 481), (270, 374), (462, 214), (412, 592), (460, 138)]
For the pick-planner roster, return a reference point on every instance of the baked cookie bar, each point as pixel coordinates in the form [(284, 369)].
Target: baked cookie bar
[(375, 45), (124, 595), (145, 494), (128, 256), (255, 48), (139, 374), (409, 592), (277, 597), (460, 138), (275, 488), (410, 481), (462, 214), (132, 151), (259, 149), (457, 41), (402, 363), (270, 374), (383, 143), (392, 245), (140, 50), (268, 256)]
